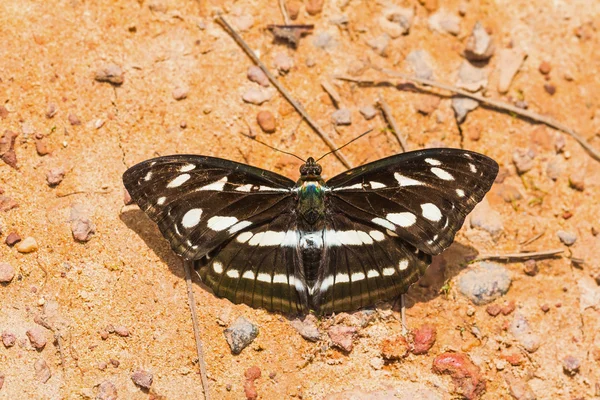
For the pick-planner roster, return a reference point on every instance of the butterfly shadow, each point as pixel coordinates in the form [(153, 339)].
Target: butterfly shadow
[(441, 271), (140, 223)]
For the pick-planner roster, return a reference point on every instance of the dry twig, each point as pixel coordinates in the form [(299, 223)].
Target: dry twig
[(520, 256), (283, 91), (286, 18), (387, 112), (199, 351), (490, 102)]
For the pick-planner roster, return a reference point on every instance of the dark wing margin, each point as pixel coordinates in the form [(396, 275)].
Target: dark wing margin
[(201, 202), (422, 196)]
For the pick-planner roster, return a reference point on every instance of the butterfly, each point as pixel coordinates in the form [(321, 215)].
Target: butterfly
[(363, 236)]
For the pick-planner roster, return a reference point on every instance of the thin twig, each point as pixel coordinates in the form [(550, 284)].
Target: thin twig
[(283, 91), (520, 256), (387, 112), (332, 92), (286, 18), (533, 239), (493, 103), (200, 352)]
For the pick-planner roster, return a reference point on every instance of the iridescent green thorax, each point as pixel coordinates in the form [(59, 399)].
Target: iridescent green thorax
[(310, 192)]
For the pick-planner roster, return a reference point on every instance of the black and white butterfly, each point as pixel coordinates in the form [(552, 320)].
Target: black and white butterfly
[(262, 239)]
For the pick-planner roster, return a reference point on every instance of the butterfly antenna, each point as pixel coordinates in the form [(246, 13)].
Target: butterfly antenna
[(274, 148), (341, 147)]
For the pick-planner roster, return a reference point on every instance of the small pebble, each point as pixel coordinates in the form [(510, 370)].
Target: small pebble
[(110, 73), (484, 282), (240, 334), (102, 366), (283, 63), (3, 112), (28, 245), (51, 110), (307, 328), (42, 371), (293, 8), (256, 74), (266, 121), (8, 339), (324, 40), (508, 308), (107, 391), (545, 67), (427, 104), (493, 309), (470, 311), (484, 217), (577, 180), (342, 337), (142, 378), (41, 145), (314, 7), (7, 203), (379, 44), (479, 46), (519, 388), (114, 363), (466, 376), (12, 239), (377, 363), (471, 77), (180, 93), (257, 95), (37, 338), (423, 338), (396, 21), (394, 348), (368, 112), (420, 62), (462, 106), (183, 124), (243, 23), (568, 238), (444, 22), (73, 119), (55, 176), (521, 330), (554, 168), (523, 160), (343, 116), (550, 88), (121, 331), (7, 272), (571, 365), (530, 268), (545, 308), (509, 63)]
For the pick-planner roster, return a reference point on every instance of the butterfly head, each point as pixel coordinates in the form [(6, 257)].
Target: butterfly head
[(310, 169)]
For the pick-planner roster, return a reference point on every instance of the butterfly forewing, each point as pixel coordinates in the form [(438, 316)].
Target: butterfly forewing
[(423, 196), (200, 202)]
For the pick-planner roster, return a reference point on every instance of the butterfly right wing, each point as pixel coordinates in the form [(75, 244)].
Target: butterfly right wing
[(201, 202)]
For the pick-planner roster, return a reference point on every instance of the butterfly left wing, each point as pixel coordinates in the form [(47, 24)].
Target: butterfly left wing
[(201, 202)]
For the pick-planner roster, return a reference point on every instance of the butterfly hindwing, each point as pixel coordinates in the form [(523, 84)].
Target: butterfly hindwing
[(421, 196), (260, 267), (199, 202)]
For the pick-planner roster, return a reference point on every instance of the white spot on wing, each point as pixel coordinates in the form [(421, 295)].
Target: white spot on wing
[(239, 226), (460, 192), (342, 278), (148, 176), (244, 237), (377, 185), (433, 161), (191, 218), (180, 180), (187, 168), (244, 188), (389, 271), (280, 278), (217, 267), (403, 219), (402, 265), (473, 168), (346, 238), (326, 284), (384, 222), (391, 233), (218, 223), (355, 186), (431, 212), (161, 200), (440, 173), (379, 236), (272, 189), (405, 181), (233, 273), (248, 275), (263, 277), (357, 276), (216, 186), (372, 273)]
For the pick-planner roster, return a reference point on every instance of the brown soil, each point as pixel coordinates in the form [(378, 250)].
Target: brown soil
[(127, 276)]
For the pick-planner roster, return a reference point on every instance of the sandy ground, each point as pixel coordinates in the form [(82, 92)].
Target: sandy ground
[(126, 275)]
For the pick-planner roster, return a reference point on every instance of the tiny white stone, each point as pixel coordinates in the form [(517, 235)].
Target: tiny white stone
[(431, 212), (405, 181), (244, 237), (187, 168), (460, 192), (161, 200), (389, 271), (180, 180), (440, 173), (403, 219), (219, 223), (432, 161), (402, 265), (233, 273), (217, 267), (191, 218)]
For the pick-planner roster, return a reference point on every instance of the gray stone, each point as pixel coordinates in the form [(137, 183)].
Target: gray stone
[(379, 44), (509, 63), (324, 40), (521, 330), (257, 95), (568, 238), (369, 112), (479, 46), (42, 371), (523, 160), (571, 365), (240, 334), (471, 78), (445, 22), (486, 218), (142, 378), (420, 62), (255, 74), (555, 168), (396, 21), (484, 282), (343, 116), (307, 328), (107, 391), (462, 106), (7, 272)]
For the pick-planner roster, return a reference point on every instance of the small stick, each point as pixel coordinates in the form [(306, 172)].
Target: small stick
[(332, 92), (200, 352), (494, 103), (533, 239), (387, 112), (283, 91), (520, 256), (286, 18)]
